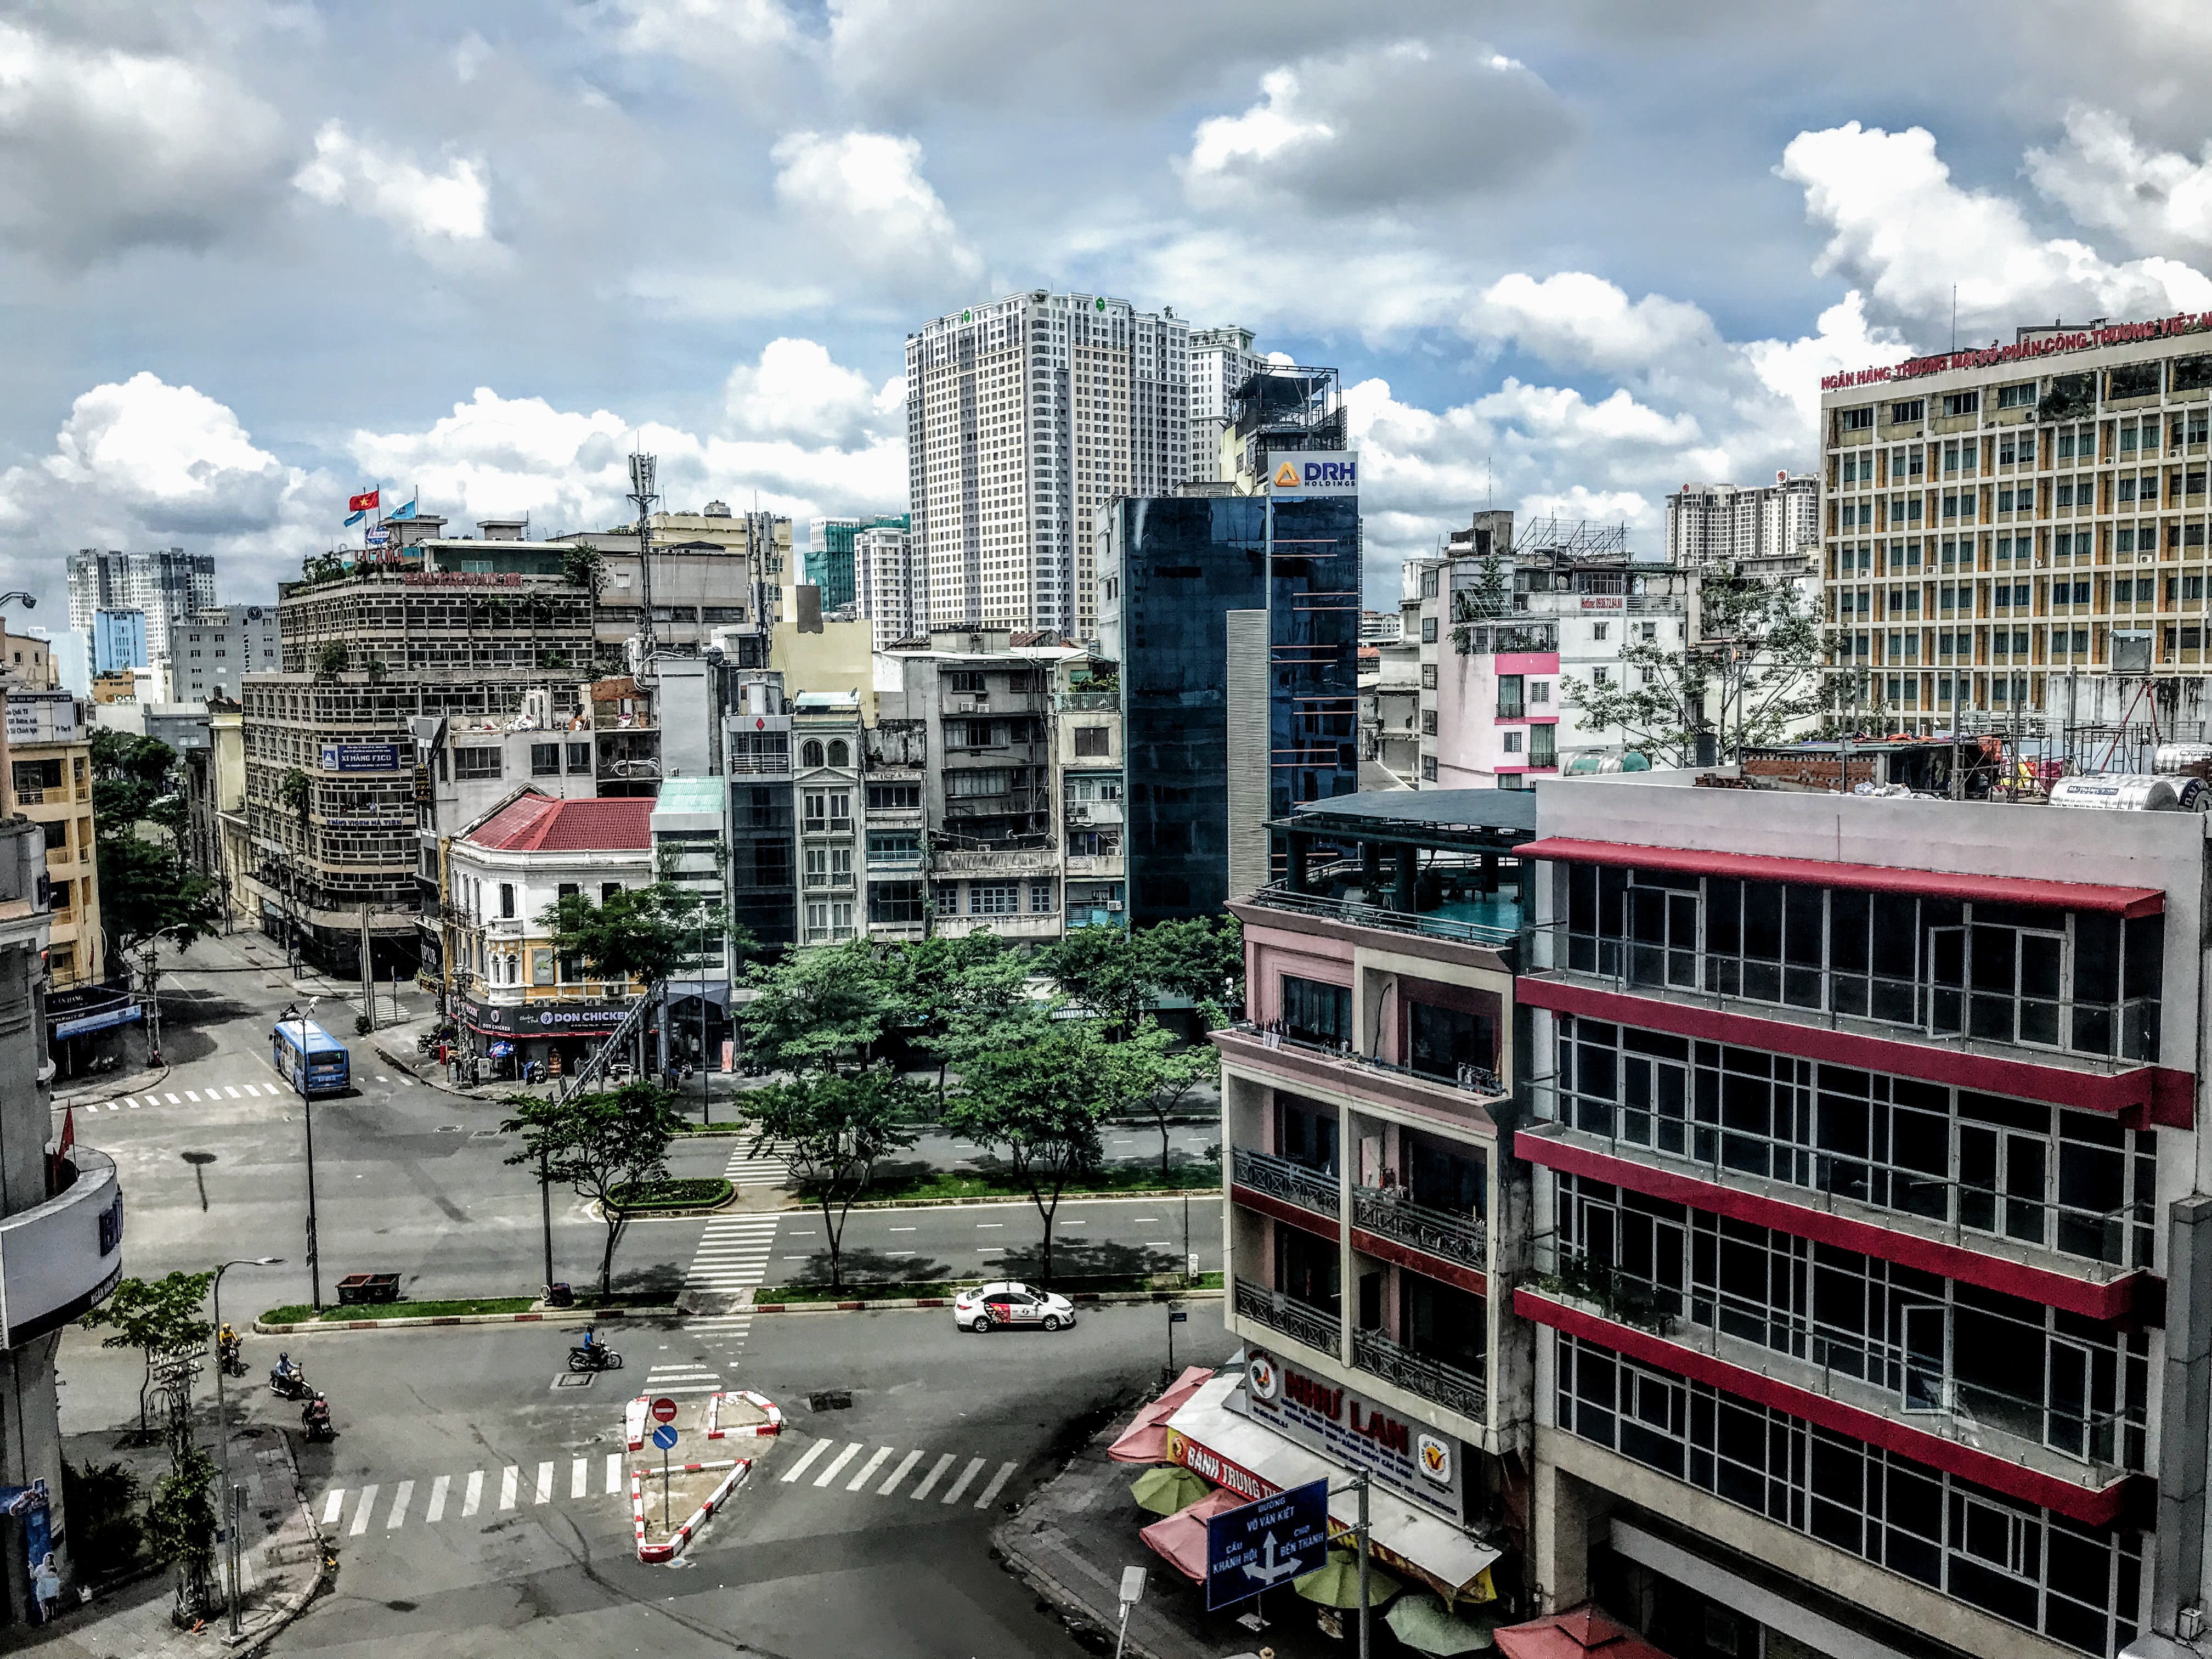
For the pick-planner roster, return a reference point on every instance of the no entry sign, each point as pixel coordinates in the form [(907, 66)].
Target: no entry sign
[(663, 1410)]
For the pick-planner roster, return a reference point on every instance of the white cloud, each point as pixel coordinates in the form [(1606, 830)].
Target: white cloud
[(1903, 232), (2108, 181), (1792, 369), (860, 198), (103, 149), (716, 34), (796, 390), (436, 212), (1380, 127), (1572, 317)]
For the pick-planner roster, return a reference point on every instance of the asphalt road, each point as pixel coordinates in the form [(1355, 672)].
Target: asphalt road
[(841, 1543)]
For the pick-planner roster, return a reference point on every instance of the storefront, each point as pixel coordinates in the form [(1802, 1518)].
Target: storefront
[(508, 1039)]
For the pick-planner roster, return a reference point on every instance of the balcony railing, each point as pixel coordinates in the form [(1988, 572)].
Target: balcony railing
[(1293, 1183), (1355, 914), (1432, 1379), (1278, 1310), (1460, 1238), (1474, 1079), (1011, 863)]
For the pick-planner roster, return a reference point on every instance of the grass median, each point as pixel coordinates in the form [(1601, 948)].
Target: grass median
[(928, 1186), (644, 1197), (904, 1289), (300, 1313)]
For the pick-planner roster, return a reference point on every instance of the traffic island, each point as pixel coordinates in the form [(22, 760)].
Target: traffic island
[(705, 1450), (1085, 1293), (300, 1318)]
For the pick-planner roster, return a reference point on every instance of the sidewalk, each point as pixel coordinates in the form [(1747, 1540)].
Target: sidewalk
[(1076, 1532), (282, 1557)]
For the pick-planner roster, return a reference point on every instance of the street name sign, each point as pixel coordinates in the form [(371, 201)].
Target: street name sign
[(1263, 1544)]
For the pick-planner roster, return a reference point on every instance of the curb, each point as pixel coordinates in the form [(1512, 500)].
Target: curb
[(103, 1096), (322, 1572), (1164, 1195), (1081, 1299), (554, 1316)]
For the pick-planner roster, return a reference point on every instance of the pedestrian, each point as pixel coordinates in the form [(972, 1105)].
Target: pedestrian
[(46, 1586)]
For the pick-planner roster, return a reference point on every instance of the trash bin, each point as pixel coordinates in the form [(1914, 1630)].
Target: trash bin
[(369, 1287)]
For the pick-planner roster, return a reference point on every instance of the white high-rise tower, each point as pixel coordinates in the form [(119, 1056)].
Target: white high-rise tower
[(1023, 415)]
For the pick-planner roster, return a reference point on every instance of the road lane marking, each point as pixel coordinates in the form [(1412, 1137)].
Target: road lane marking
[(990, 1249), (173, 1101), (968, 1474), (614, 1472), (988, 1226), (799, 1468), (333, 1506), (232, 1092), (901, 1229), (868, 1469), (830, 1470), (436, 1512), (509, 1477), (190, 1096), (472, 1498), (577, 1481), (544, 1482), (380, 1078), (898, 1474), (132, 1104), (399, 1501), (931, 1479), (991, 1492), (360, 1512)]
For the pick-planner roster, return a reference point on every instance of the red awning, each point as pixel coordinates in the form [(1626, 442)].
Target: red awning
[(1571, 1635), (1145, 1439), (1180, 1541), (1881, 878)]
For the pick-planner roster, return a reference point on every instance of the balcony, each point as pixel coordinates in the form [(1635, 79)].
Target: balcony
[(63, 1255), (1278, 1310), (1088, 702), (1094, 865), (1474, 1081), (1433, 1380), (1279, 1178), (1460, 1238), (1492, 924), (1017, 863)]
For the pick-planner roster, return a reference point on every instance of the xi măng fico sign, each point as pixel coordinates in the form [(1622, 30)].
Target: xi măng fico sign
[(1408, 1456)]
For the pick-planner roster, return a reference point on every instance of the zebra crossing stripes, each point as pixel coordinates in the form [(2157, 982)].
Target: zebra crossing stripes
[(212, 1097)]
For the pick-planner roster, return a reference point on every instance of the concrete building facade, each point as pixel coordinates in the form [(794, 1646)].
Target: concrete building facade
[(1716, 524), (1221, 361), (49, 782), (163, 585), (212, 651)]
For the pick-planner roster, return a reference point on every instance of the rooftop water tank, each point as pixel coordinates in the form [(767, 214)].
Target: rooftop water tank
[(2180, 756), (2118, 792)]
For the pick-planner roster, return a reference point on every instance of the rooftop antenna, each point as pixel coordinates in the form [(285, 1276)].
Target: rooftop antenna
[(1954, 316), (1489, 493), (642, 492)]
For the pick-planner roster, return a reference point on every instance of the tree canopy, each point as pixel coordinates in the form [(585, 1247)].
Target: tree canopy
[(156, 1316), (637, 932), (596, 1141), (824, 1008), (830, 1129), (1117, 973)]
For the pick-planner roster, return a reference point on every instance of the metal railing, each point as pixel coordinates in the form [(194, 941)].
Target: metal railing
[(1432, 1379), (1474, 1079), (1317, 1328), (1460, 1238), (1293, 1183), (1357, 914)]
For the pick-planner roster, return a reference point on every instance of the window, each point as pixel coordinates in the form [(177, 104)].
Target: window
[(506, 899), (1428, 676), (1600, 632), (1855, 420), (1962, 403), (980, 780), (894, 797), (2134, 381), (995, 898), (544, 760), (841, 809), (1512, 743), (1452, 1043), (1913, 410), (841, 753), (471, 764), (1428, 722), (1428, 630), (809, 752), (1041, 898), (56, 835), (2016, 397), (895, 903), (1315, 1011), (1429, 763), (580, 760), (1510, 701), (541, 965), (1539, 691), (894, 846), (1091, 742), (608, 890)]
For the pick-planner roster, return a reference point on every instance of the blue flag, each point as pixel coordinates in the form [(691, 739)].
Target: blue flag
[(406, 512), (355, 518)]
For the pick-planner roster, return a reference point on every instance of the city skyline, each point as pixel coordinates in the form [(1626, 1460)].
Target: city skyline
[(213, 366)]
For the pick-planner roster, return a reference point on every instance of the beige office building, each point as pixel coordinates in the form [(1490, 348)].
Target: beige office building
[(2018, 535)]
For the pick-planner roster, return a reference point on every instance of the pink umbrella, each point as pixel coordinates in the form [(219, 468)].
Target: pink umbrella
[(1145, 1439)]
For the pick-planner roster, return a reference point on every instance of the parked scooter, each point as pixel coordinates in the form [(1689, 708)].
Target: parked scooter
[(593, 1355), (315, 1419), (288, 1381)]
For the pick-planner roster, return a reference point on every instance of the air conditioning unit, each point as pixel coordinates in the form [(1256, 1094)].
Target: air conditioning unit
[(1113, 904)]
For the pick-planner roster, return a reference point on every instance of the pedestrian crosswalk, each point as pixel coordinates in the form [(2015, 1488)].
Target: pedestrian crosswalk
[(206, 1094), (947, 1479), (732, 1259), (768, 1169)]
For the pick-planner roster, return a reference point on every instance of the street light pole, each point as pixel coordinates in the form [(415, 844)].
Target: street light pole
[(307, 1114), (222, 1433)]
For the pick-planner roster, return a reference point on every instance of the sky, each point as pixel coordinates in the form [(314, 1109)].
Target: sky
[(254, 256)]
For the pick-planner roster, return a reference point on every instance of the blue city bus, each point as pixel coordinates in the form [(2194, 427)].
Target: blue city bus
[(309, 1058)]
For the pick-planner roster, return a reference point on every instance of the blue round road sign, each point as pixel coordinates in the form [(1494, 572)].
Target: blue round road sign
[(664, 1437)]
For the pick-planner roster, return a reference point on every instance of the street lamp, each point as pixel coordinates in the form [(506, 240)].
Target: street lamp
[(223, 1430), (308, 1113)]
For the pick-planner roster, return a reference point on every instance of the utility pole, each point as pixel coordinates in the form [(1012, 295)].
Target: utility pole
[(641, 491), (368, 972)]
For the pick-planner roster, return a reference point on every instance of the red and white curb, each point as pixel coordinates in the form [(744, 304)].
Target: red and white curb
[(767, 1431), (673, 1545), (546, 1315), (1081, 1299)]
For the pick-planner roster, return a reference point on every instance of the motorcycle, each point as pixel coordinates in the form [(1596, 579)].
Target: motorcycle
[(230, 1354), (315, 1421), (288, 1381), (594, 1357)]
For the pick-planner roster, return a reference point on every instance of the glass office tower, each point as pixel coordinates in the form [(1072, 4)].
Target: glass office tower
[(1313, 649)]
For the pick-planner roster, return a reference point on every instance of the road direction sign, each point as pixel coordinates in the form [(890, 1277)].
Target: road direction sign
[(1265, 1543), (664, 1437), (663, 1410)]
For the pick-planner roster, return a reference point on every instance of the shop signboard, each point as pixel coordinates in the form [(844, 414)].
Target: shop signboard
[(42, 716), (1415, 1460), (541, 1019), (361, 757)]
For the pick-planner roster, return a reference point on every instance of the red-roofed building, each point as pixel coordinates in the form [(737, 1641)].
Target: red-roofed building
[(517, 999)]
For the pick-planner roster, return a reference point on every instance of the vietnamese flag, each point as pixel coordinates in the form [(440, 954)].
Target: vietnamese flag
[(363, 503)]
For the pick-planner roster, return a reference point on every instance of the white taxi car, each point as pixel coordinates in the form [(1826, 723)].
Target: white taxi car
[(988, 1307)]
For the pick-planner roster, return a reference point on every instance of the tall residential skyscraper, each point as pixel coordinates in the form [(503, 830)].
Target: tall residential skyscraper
[(830, 556), (163, 585), (1708, 523), (1221, 360), (1023, 417), (893, 583)]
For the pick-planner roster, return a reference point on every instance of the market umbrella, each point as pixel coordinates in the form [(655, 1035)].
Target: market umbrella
[(1335, 1583), (1424, 1624), (1167, 1490)]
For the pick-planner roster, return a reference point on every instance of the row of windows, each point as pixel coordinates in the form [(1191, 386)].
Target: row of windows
[(2048, 1176), (1977, 1357), (2081, 1586), (2078, 980)]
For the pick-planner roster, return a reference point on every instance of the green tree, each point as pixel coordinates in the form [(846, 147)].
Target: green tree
[(952, 993), (1151, 1075), (595, 1142), (581, 566), (1038, 1097), (1754, 672), (181, 1524), (831, 1129), (629, 934), (1202, 958), (297, 791), (1104, 969), (145, 894), (330, 660), (823, 1008), (157, 1316), (129, 774)]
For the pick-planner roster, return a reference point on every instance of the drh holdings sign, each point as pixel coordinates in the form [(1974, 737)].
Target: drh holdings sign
[(1314, 472), (1410, 1457)]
